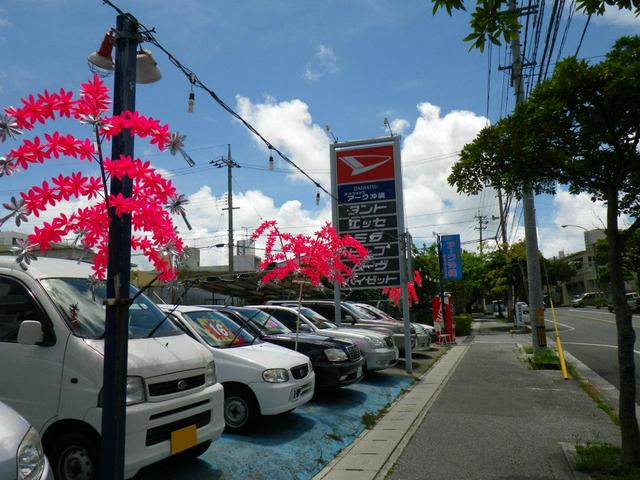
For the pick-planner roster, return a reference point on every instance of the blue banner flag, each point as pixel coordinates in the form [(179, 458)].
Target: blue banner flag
[(451, 257)]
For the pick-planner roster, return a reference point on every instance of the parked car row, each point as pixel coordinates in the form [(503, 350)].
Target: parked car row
[(192, 370)]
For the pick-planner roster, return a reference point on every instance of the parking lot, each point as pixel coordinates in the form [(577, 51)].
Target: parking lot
[(298, 445)]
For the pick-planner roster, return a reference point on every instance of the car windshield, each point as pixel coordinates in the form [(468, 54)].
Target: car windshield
[(218, 330), (264, 322), (81, 302), (360, 312), (317, 319)]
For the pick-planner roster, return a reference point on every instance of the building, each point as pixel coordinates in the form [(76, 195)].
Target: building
[(64, 250)]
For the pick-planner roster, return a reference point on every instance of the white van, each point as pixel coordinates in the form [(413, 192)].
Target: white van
[(259, 378), (51, 366)]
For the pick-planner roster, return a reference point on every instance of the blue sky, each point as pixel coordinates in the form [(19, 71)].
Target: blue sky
[(292, 67)]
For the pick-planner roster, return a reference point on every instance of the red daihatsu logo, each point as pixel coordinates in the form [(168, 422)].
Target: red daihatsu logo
[(365, 164)]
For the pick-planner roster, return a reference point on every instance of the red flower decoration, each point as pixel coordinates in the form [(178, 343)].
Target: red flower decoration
[(154, 232)]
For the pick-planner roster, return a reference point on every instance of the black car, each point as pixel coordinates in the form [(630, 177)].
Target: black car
[(337, 363)]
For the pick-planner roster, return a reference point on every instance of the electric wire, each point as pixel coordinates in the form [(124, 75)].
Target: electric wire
[(584, 31), (148, 35)]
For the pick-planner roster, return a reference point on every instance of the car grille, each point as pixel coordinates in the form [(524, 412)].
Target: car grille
[(353, 352), (163, 432), (389, 341), (300, 371), (174, 386)]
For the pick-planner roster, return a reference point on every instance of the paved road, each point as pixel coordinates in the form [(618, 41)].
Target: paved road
[(590, 335)]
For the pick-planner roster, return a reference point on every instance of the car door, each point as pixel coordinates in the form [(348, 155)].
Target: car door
[(30, 375)]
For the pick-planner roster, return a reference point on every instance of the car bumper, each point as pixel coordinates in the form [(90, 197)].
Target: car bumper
[(275, 398), (381, 358), (398, 340), (47, 473), (338, 374), (149, 425), (423, 342)]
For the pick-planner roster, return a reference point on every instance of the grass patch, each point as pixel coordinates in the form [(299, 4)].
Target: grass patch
[(602, 462), (595, 395), (528, 349), (544, 359), (369, 419)]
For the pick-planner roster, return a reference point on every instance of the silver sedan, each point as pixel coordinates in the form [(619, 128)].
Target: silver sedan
[(377, 348), (21, 454)]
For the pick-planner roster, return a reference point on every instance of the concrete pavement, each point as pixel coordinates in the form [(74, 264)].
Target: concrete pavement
[(479, 413)]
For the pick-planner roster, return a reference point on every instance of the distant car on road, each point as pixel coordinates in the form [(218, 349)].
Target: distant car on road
[(586, 299), (21, 453), (633, 300)]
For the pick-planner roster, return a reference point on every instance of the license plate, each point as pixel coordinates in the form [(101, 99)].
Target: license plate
[(359, 372), (184, 439)]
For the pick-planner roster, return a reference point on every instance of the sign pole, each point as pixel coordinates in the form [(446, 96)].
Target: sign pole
[(404, 280)]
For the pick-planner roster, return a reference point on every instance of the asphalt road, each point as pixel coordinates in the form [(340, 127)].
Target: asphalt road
[(589, 334)]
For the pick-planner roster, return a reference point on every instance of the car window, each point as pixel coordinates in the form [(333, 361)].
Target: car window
[(287, 317), (266, 323), (317, 319), (81, 303), (16, 305), (326, 310), (218, 330)]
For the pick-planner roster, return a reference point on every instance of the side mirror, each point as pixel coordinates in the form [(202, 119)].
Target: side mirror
[(349, 318), (305, 328), (30, 333)]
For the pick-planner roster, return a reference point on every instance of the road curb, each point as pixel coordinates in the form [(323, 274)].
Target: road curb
[(372, 455)]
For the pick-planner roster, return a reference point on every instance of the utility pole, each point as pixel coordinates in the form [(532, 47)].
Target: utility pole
[(536, 305), (116, 334), (230, 166), (482, 225), (505, 247)]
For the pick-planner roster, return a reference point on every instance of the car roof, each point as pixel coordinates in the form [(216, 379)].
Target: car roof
[(45, 267)]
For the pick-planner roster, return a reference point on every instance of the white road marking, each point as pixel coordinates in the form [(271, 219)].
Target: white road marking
[(563, 324), (596, 345)]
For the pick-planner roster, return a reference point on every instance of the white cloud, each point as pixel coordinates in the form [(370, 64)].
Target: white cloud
[(323, 63), (399, 126), (289, 127), (210, 224), (428, 153), (620, 18)]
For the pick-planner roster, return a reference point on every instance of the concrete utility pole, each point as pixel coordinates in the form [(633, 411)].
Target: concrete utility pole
[(536, 304), (230, 165), (505, 247), (482, 225)]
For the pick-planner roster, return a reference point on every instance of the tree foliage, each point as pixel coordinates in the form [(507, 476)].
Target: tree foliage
[(579, 129), (491, 21)]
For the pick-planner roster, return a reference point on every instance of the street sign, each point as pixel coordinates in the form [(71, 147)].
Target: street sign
[(366, 179), (451, 257)]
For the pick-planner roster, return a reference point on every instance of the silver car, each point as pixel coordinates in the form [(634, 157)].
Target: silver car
[(21, 454), (377, 348)]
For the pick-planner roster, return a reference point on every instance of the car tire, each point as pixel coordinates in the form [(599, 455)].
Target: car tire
[(194, 452), (240, 409), (75, 456)]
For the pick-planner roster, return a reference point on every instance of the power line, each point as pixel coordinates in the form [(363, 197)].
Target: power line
[(193, 79)]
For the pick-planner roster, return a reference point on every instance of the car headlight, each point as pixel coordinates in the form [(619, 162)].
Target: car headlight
[(335, 355), (210, 374), (275, 375), (30, 456), (135, 390), (375, 342)]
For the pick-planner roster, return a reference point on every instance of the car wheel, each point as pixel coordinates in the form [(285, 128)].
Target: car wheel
[(195, 452), (74, 456), (240, 409)]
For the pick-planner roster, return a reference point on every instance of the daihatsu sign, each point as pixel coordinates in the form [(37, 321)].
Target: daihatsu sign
[(366, 180)]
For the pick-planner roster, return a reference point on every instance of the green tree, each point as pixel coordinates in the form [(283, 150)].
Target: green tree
[(630, 259), (581, 129), (492, 21)]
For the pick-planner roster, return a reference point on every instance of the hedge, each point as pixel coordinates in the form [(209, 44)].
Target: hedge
[(463, 324)]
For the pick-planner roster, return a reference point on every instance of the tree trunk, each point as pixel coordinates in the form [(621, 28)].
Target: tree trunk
[(630, 434)]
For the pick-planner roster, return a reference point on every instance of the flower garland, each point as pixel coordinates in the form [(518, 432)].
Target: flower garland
[(154, 198)]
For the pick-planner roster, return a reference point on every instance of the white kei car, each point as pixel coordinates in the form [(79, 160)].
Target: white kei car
[(259, 378)]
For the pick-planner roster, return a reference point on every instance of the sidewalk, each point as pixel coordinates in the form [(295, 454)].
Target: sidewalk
[(480, 413)]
